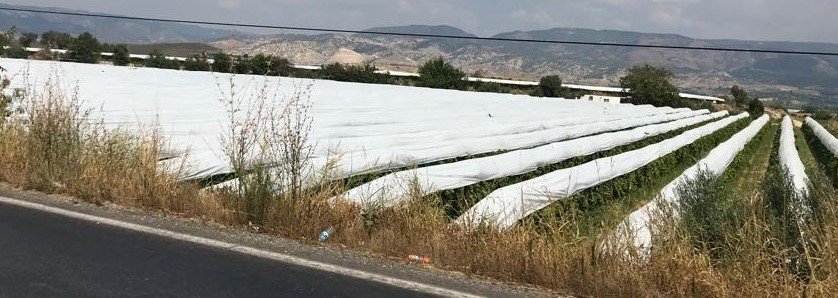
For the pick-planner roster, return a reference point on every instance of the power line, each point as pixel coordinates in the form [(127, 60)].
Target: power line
[(328, 30)]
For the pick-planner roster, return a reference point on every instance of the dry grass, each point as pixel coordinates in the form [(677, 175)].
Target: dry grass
[(54, 147)]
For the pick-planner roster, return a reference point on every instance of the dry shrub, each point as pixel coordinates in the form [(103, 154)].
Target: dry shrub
[(52, 144)]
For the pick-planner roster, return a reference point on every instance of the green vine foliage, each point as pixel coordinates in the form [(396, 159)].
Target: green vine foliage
[(826, 160), (593, 201), (712, 211), (458, 200)]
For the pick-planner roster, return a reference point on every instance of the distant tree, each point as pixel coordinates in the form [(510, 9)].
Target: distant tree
[(56, 40), (221, 62), (27, 39), (333, 71), (85, 49), (822, 115), (366, 73), (279, 66), (353, 73), (651, 85), (437, 73), (157, 59), (260, 64), (197, 63), (551, 86), (756, 108), (121, 57), (6, 39), (10, 47), (106, 47), (492, 87), (739, 95), (242, 65)]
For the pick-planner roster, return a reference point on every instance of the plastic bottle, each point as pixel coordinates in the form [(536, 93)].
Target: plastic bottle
[(326, 234)]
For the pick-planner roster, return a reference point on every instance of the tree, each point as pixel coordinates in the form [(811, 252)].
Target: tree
[(121, 57), (651, 85), (156, 59), (260, 64), (221, 62), (739, 95), (551, 86), (56, 40), (27, 39), (437, 73), (279, 66), (756, 108), (197, 63), (243, 65), (10, 47), (492, 87), (86, 49)]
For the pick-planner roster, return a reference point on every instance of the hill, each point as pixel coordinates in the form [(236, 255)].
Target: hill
[(805, 79)]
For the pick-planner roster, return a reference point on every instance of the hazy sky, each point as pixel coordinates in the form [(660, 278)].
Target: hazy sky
[(801, 20)]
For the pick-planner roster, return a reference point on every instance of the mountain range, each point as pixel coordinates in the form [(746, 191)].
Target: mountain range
[(806, 79)]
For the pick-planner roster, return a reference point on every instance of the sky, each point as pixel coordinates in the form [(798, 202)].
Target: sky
[(782, 20)]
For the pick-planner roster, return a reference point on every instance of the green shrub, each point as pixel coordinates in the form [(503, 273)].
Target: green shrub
[(756, 108), (437, 73), (196, 63), (492, 87), (651, 85), (353, 73), (27, 39), (121, 57), (243, 65), (740, 96), (85, 49), (222, 62), (10, 46), (56, 40), (156, 59), (712, 214), (551, 86), (260, 64), (279, 66)]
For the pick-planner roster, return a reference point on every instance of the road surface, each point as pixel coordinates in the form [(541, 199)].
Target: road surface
[(43, 254)]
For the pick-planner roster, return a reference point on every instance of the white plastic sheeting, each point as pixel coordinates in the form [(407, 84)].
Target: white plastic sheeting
[(637, 229), (505, 206), (369, 126), (827, 139), (392, 188), (790, 158)]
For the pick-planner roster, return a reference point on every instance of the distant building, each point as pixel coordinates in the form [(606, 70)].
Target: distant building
[(602, 98)]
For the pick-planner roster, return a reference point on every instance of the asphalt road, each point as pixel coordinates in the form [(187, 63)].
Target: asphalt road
[(43, 254)]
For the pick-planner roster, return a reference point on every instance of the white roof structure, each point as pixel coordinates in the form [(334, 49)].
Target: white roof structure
[(701, 97)]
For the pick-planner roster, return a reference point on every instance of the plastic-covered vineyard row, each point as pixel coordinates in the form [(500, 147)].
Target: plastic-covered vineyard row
[(636, 231), (392, 188), (505, 206), (827, 139), (371, 127), (790, 158)]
